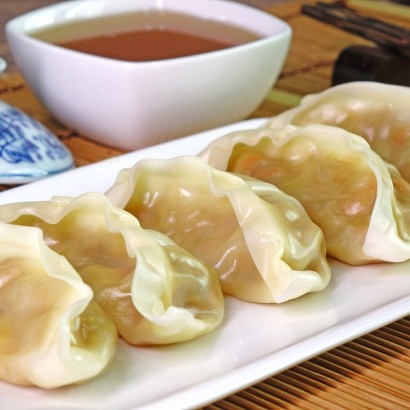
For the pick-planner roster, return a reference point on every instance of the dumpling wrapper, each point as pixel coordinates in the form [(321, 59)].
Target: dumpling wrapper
[(261, 242), (378, 112), (361, 203), (154, 291), (51, 332)]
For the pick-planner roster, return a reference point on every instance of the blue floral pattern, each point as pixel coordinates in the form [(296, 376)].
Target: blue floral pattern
[(16, 148)]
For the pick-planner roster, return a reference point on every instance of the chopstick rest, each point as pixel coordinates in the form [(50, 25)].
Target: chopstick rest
[(365, 63), (28, 150)]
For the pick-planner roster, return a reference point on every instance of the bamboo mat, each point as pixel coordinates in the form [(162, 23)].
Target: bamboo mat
[(371, 372)]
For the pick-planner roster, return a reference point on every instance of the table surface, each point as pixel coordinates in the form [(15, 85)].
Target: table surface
[(371, 372)]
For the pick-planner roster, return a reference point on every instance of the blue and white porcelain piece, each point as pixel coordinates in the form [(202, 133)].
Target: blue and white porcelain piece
[(28, 150)]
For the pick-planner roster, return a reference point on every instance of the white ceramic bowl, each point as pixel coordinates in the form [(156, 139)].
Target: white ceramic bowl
[(130, 105)]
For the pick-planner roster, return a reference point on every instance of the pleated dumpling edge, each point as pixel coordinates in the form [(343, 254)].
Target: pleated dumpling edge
[(358, 200), (154, 291), (376, 111), (52, 333), (258, 247)]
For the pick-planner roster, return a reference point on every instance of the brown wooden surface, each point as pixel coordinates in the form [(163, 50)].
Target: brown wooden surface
[(371, 372)]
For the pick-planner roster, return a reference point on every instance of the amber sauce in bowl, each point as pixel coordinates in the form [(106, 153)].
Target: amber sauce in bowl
[(149, 36)]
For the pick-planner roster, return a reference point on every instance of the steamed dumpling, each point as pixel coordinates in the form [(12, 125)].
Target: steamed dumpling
[(261, 242), (51, 332), (154, 291), (361, 203), (378, 112)]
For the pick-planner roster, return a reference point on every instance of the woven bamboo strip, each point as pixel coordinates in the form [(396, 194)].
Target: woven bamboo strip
[(364, 371), (372, 358), (320, 385), (301, 388), (353, 385)]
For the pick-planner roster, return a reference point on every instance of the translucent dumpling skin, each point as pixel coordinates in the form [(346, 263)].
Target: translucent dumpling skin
[(259, 240), (361, 203), (377, 112), (154, 291), (51, 332)]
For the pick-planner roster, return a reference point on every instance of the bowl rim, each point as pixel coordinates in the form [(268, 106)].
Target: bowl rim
[(95, 6), (15, 26)]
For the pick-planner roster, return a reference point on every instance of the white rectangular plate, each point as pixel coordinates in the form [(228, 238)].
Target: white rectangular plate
[(254, 341)]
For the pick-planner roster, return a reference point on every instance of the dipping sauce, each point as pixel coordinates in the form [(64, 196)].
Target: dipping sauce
[(148, 36)]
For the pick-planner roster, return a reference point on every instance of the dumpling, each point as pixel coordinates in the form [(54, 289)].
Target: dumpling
[(154, 291), (51, 332), (360, 202), (261, 242), (378, 112)]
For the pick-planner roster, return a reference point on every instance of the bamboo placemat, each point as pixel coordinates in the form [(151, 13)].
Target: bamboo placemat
[(371, 372)]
